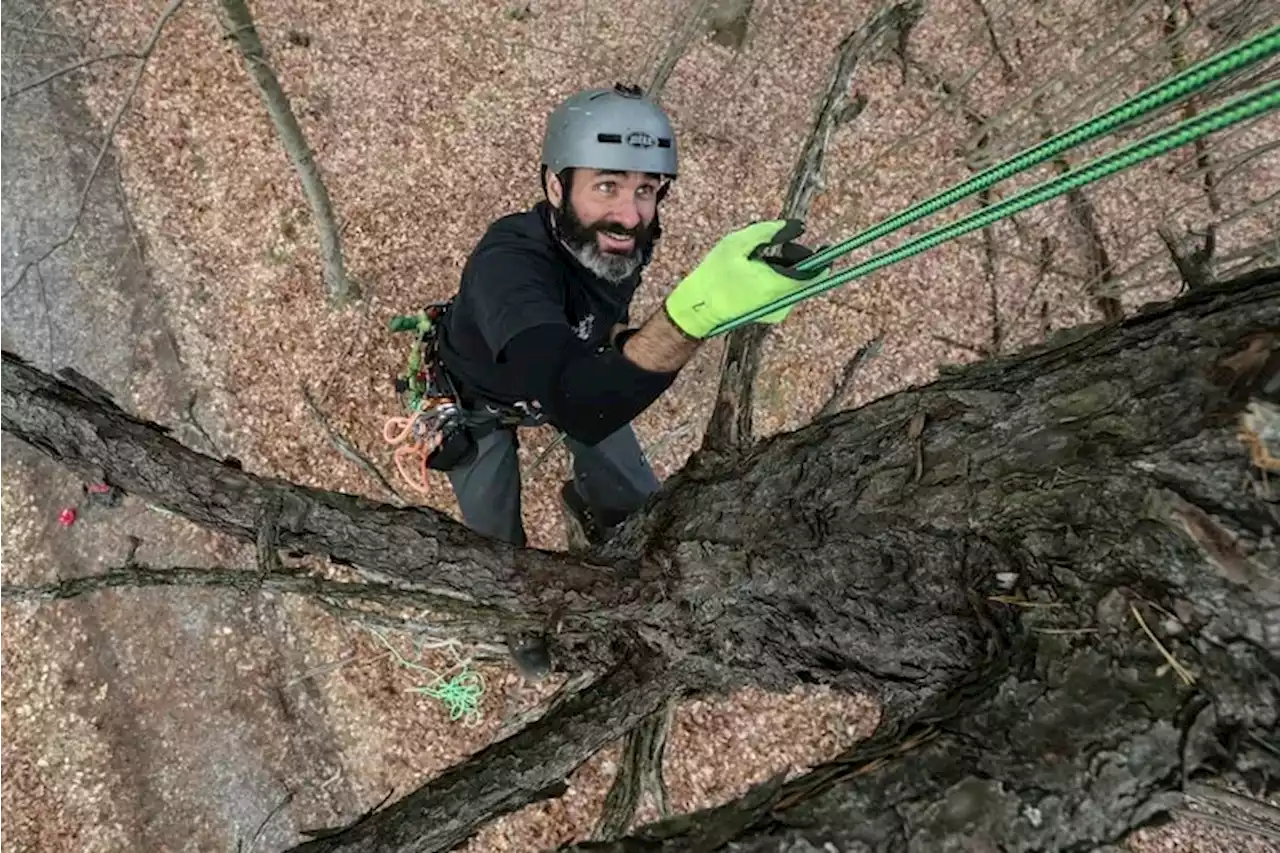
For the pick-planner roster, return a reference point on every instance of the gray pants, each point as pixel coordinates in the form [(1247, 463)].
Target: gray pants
[(613, 477)]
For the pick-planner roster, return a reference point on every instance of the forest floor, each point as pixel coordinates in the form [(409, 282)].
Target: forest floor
[(172, 719)]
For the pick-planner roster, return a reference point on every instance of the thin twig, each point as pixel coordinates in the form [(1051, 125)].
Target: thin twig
[(347, 449), (668, 439), (842, 387), (546, 453), (1006, 65), (108, 136), (253, 842), (1085, 216), (190, 414), (1181, 670), (1189, 109), (333, 666), (67, 69), (979, 350)]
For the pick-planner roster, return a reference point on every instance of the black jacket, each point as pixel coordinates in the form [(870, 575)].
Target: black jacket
[(530, 327)]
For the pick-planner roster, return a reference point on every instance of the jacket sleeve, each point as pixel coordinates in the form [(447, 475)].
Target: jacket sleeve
[(587, 394)]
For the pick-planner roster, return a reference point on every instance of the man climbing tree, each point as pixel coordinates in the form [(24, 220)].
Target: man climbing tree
[(1056, 570), (537, 333)]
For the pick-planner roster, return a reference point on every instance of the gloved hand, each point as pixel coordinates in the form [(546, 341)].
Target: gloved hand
[(735, 277)]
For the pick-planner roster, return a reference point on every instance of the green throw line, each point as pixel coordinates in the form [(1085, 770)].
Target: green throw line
[(1188, 81), (461, 694)]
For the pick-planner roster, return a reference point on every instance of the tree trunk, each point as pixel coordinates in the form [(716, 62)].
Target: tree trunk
[(1055, 569), (239, 24)]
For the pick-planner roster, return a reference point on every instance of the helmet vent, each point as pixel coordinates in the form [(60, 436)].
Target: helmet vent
[(639, 140)]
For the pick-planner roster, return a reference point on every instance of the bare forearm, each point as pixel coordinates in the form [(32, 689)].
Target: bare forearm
[(659, 345)]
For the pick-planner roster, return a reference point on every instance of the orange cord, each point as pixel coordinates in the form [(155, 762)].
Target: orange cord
[(399, 429)]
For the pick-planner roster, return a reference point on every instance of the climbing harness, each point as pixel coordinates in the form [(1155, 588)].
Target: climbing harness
[(1183, 84), (440, 428), (433, 434)]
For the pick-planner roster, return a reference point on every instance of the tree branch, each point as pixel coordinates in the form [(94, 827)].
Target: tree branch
[(1101, 271), (108, 135), (512, 773), (639, 773), (677, 44), (239, 26), (348, 450), (981, 141), (1066, 755), (731, 419), (1194, 264), (450, 616), (1189, 109), (1005, 65), (68, 69), (418, 546), (844, 385)]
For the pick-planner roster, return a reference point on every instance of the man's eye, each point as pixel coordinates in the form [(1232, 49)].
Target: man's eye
[(605, 186)]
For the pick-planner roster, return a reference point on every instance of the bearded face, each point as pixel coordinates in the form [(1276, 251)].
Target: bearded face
[(608, 219)]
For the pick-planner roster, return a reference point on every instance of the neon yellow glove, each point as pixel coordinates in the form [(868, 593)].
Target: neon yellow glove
[(734, 278)]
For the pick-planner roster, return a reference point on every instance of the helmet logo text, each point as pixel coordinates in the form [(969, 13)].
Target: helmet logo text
[(640, 139)]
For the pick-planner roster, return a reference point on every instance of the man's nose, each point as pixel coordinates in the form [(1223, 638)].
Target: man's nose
[(627, 213)]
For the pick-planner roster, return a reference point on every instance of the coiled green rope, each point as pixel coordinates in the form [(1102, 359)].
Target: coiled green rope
[(460, 693)]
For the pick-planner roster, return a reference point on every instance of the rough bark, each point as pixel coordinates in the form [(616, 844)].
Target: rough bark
[(1106, 477), (413, 547), (239, 24), (982, 553), (639, 773)]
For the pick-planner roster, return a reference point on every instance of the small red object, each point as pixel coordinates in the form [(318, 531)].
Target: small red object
[(67, 517), (99, 488)]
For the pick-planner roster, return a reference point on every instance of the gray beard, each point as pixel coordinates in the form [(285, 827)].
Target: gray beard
[(610, 267)]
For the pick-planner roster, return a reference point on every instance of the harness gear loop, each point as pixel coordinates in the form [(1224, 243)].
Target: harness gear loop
[(432, 435)]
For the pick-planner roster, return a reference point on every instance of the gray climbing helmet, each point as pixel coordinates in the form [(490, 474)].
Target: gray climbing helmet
[(616, 128)]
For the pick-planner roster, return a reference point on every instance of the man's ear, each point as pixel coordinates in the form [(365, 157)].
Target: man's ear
[(555, 190)]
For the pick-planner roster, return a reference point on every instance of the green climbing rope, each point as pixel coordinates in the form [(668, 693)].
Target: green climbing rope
[(1239, 109), (1186, 82), (461, 694)]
